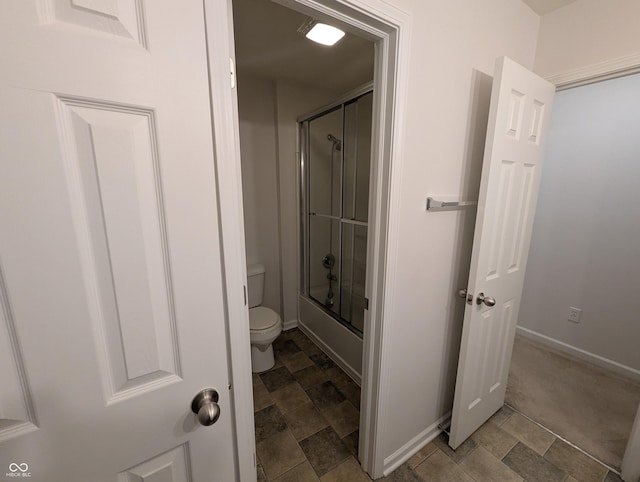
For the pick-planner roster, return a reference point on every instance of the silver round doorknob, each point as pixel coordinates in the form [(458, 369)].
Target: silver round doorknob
[(205, 406), (487, 300)]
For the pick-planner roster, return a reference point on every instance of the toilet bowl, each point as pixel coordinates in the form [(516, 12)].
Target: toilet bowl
[(265, 327), (265, 324)]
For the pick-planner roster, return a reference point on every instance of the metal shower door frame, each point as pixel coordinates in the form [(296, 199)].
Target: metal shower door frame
[(304, 196)]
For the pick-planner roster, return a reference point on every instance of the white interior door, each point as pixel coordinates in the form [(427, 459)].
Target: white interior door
[(110, 280), (518, 119)]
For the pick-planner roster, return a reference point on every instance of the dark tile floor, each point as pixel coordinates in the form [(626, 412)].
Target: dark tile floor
[(306, 414), (307, 419)]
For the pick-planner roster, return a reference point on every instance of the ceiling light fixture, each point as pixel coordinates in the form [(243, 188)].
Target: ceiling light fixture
[(320, 32)]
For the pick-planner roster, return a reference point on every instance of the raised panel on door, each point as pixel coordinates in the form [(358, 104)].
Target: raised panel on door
[(122, 19), (112, 158), (172, 466), (17, 414)]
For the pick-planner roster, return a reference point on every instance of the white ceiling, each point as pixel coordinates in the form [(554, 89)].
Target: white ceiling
[(542, 7), (268, 45)]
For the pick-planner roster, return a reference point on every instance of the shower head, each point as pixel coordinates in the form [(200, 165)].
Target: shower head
[(337, 143)]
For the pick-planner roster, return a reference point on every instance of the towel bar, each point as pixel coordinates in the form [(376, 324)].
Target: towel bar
[(434, 205)]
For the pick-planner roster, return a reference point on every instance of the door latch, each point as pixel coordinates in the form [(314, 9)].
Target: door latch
[(468, 296)]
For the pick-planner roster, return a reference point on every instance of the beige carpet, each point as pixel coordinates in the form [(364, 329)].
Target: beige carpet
[(592, 408)]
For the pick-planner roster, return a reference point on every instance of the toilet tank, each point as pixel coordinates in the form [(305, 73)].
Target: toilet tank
[(255, 284)]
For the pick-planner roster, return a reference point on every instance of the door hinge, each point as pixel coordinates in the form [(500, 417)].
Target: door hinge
[(244, 288), (366, 303), (232, 73)]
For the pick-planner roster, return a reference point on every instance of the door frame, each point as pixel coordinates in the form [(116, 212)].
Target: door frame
[(226, 145), (390, 28)]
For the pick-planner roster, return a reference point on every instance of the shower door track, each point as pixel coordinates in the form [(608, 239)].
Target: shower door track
[(349, 96)]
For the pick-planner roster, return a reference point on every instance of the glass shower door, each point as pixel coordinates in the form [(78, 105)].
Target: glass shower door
[(338, 151), (355, 209), (325, 207)]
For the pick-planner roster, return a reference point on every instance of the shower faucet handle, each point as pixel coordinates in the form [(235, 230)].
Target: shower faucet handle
[(328, 260)]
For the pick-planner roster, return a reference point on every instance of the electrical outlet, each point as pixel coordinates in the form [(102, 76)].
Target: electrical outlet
[(574, 314)]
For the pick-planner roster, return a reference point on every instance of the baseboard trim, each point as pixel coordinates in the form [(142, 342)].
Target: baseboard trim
[(289, 325), (348, 369), (404, 453), (597, 360)]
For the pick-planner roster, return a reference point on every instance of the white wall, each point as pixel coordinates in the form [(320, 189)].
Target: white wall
[(453, 51), (586, 34), (585, 250), (257, 113), (268, 112)]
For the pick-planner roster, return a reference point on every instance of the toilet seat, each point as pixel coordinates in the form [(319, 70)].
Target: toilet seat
[(262, 318), (265, 326)]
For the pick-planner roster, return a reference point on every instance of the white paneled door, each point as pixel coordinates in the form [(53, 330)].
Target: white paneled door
[(518, 119), (111, 316)]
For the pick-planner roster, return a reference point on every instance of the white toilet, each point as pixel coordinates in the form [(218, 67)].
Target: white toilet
[(264, 322)]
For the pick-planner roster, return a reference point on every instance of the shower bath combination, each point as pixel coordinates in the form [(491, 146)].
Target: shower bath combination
[(335, 198)]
